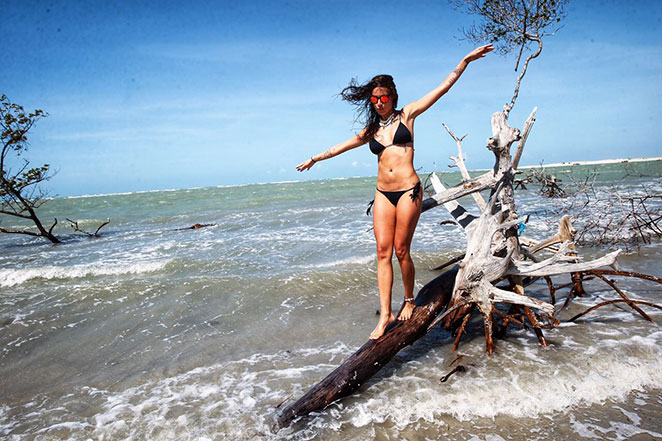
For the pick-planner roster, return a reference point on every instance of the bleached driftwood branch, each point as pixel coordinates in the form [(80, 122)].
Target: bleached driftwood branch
[(494, 251), (458, 161), (552, 269), (525, 135)]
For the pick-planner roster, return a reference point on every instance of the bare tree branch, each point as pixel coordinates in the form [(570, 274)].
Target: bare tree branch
[(74, 225)]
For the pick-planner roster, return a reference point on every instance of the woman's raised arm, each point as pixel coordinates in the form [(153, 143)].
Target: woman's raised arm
[(337, 149), (417, 107)]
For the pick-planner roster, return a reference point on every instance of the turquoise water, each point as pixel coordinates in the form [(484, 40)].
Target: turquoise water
[(152, 332)]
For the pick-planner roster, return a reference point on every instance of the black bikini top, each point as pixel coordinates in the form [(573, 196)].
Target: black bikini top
[(402, 136)]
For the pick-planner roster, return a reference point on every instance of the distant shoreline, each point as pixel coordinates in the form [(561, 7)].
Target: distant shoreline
[(598, 162), (558, 164)]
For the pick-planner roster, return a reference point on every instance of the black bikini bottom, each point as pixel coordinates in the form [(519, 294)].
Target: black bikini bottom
[(394, 196)]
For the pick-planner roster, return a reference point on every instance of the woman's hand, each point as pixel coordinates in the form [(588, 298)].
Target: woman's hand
[(479, 52), (306, 165)]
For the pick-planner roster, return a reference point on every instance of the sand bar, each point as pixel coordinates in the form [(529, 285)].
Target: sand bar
[(598, 162)]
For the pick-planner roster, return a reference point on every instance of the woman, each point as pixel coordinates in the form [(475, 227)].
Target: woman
[(397, 206)]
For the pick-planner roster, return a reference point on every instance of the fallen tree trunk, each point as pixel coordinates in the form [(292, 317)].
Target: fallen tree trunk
[(374, 354)]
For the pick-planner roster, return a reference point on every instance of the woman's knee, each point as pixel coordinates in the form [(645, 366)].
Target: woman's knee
[(402, 252), (384, 251)]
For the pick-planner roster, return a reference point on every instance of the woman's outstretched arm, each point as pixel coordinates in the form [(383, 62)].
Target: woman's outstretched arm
[(417, 107), (337, 149)]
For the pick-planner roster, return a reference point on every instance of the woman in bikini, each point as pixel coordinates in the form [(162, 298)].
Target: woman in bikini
[(397, 205)]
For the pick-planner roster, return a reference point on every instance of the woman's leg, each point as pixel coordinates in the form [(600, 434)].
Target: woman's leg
[(407, 214), (384, 223)]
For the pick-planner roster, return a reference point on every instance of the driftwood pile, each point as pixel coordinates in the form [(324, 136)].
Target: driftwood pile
[(496, 253), (629, 218), (550, 185)]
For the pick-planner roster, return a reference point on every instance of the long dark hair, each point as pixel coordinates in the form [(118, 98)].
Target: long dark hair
[(359, 95)]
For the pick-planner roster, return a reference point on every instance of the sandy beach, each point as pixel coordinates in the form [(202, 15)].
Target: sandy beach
[(598, 162)]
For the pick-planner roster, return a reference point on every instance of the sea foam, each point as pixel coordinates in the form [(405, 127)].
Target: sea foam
[(17, 276)]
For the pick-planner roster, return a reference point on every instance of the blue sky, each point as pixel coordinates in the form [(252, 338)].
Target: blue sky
[(152, 95)]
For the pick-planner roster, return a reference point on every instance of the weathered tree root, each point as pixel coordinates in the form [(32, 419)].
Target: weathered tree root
[(610, 302), (577, 286), (460, 330), (458, 368), (577, 289), (629, 302), (626, 274), (552, 290), (512, 317), (517, 316)]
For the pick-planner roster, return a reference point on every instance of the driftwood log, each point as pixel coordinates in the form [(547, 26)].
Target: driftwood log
[(374, 354), (195, 227)]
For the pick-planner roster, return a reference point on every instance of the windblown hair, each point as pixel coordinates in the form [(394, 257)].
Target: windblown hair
[(359, 96)]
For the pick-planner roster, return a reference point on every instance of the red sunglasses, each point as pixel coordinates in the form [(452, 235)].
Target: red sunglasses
[(376, 98)]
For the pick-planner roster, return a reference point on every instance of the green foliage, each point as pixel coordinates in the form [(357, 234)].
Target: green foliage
[(511, 24), (16, 123), (20, 193), (26, 178), (19, 187)]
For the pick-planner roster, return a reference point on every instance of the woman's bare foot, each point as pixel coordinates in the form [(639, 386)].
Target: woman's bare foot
[(406, 311), (381, 326)]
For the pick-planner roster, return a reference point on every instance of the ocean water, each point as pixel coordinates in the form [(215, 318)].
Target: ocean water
[(153, 332)]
